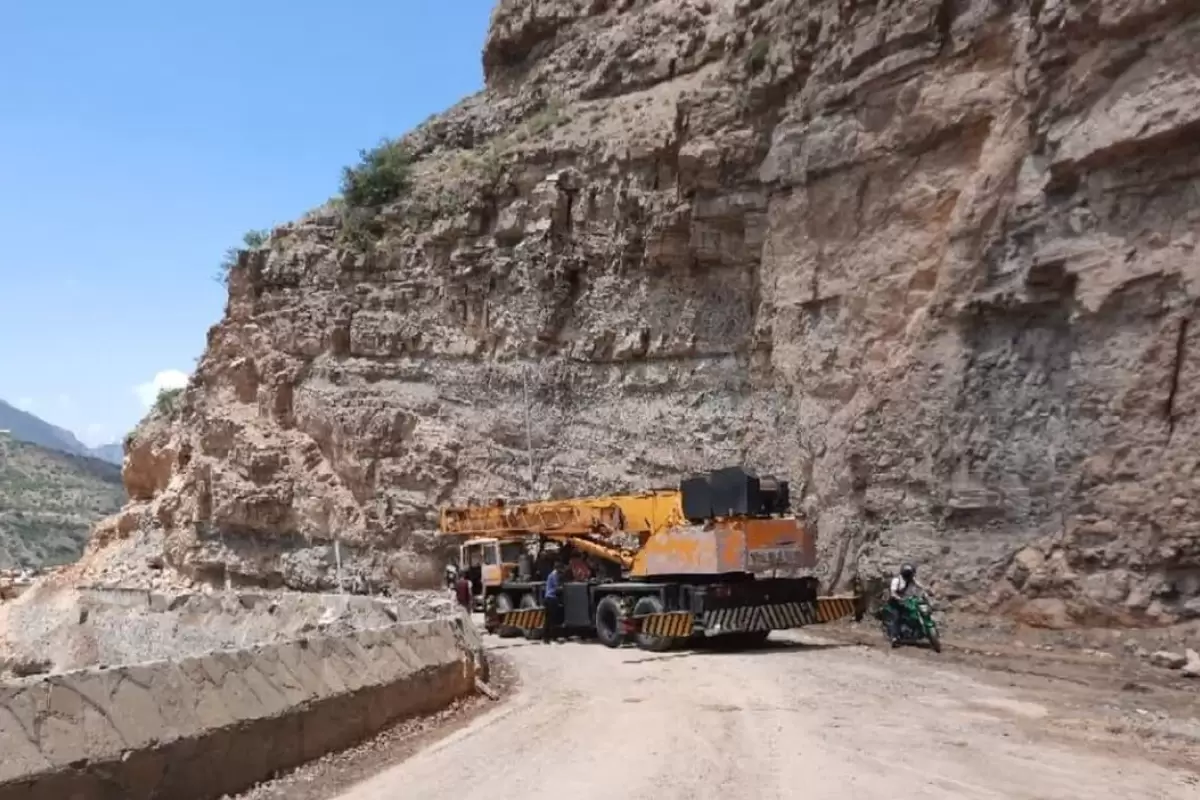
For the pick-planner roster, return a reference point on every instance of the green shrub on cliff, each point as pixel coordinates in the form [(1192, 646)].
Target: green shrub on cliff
[(381, 176), (167, 402), (250, 240), (756, 58)]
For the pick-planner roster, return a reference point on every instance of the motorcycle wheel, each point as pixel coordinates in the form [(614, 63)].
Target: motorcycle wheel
[(935, 641)]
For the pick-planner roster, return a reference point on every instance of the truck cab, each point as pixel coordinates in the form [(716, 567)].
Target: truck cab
[(489, 562)]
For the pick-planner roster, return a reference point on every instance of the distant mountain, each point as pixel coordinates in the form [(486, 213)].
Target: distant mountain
[(28, 428), (50, 500), (112, 453)]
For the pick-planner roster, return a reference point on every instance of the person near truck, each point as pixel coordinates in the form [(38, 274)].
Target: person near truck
[(552, 603), (902, 584), (462, 592)]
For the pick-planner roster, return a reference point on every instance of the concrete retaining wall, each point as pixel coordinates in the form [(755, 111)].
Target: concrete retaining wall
[(209, 725), (76, 628)]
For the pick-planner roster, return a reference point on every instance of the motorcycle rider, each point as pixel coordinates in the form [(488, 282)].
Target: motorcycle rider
[(902, 584)]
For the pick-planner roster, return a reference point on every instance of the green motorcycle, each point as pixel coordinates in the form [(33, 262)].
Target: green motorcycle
[(916, 623)]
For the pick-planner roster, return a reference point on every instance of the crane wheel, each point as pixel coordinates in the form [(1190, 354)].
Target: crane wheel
[(504, 604), (608, 621), (655, 644), (529, 601)]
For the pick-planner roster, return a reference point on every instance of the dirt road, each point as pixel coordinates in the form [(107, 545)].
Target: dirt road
[(811, 720)]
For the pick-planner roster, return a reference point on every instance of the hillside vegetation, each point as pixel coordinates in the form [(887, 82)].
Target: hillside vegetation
[(48, 501)]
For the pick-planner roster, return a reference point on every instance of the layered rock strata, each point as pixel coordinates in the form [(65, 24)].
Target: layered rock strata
[(932, 260)]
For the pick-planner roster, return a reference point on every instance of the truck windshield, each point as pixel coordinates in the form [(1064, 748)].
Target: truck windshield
[(511, 552)]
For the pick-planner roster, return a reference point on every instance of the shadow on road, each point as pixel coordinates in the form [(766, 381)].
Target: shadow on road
[(768, 648), (511, 644)]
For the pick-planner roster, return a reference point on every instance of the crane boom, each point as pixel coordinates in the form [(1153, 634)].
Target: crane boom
[(650, 533), (642, 514)]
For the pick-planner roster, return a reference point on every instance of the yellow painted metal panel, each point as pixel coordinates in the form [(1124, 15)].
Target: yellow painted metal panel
[(830, 609), (742, 545), (523, 618), (671, 624)]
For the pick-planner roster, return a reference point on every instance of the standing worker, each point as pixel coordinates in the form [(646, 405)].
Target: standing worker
[(462, 592), (552, 603)]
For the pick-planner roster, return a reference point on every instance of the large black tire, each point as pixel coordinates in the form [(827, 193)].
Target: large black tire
[(529, 601), (504, 603), (608, 621), (935, 641), (644, 641)]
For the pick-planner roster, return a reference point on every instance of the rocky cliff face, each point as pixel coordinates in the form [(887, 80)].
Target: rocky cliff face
[(933, 260)]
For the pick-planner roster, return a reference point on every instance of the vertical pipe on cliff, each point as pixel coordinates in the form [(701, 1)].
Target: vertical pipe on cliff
[(528, 431), (225, 563), (337, 562)]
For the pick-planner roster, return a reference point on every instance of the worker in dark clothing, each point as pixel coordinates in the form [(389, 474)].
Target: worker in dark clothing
[(462, 592), (552, 603)]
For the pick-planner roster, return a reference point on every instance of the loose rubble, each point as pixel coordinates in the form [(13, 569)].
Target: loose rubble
[(1191, 668), (1168, 660)]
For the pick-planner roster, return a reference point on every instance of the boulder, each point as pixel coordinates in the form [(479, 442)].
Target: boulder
[(1168, 660)]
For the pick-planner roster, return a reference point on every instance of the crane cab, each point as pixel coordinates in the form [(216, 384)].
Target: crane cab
[(489, 562)]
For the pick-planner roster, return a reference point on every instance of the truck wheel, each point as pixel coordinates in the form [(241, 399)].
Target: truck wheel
[(504, 604), (528, 601), (655, 644), (608, 621)]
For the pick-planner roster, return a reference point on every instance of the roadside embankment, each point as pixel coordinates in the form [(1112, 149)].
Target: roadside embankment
[(207, 725), (55, 629)]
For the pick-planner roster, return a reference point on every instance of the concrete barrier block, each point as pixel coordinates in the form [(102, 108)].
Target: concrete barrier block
[(22, 756), (157, 729), (176, 697), (273, 701)]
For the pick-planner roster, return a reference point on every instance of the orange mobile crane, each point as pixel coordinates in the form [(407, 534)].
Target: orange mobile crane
[(667, 566)]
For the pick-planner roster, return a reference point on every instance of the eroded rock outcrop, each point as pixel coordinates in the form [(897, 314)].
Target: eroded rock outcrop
[(934, 260)]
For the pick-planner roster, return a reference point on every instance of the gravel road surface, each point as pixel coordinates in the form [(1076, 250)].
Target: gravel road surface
[(798, 719)]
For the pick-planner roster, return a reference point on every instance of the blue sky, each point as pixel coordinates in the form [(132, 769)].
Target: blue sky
[(140, 139)]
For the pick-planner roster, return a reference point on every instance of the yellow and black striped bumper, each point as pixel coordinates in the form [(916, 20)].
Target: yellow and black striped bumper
[(773, 617), (830, 609), (523, 618), (779, 616), (670, 624)]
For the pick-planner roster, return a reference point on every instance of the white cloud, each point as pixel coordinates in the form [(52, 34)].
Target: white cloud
[(167, 379), (25, 403)]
